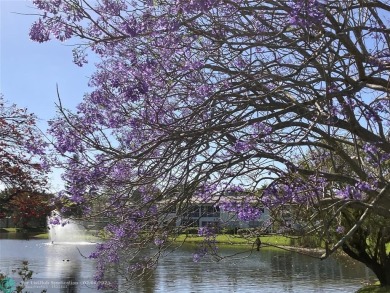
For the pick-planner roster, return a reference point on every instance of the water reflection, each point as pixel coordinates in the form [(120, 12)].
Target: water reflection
[(268, 270), (16, 235), (71, 281)]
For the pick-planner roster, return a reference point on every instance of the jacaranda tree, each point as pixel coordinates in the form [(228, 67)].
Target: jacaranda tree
[(205, 98)]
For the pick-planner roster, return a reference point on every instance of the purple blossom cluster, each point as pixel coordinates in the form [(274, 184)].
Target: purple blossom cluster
[(112, 7), (207, 248), (159, 241), (245, 209), (206, 191), (196, 6), (349, 192), (340, 229), (105, 253), (294, 191), (198, 256), (257, 133), (374, 154), (39, 32), (120, 238), (306, 13), (54, 221), (356, 192), (261, 129), (57, 219), (241, 146), (233, 189), (48, 6), (209, 245), (65, 141), (79, 57), (208, 232)]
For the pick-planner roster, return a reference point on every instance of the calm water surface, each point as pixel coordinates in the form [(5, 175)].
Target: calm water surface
[(62, 268)]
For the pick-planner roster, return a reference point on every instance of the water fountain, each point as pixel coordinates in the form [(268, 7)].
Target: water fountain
[(67, 231)]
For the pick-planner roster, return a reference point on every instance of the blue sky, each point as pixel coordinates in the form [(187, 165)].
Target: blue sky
[(29, 71)]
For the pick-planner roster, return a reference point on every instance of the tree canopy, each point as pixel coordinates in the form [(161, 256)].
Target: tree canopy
[(27, 209), (205, 97), (22, 150)]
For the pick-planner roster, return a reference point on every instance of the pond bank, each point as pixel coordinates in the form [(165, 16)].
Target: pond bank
[(17, 233), (374, 289)]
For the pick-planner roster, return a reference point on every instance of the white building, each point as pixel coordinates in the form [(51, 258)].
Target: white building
[(201, 214)]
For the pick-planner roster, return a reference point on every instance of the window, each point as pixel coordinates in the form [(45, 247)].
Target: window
[(210, 211), (192, 212)]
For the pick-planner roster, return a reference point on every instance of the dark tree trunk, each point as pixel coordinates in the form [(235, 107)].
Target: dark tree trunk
[(380, 266), (383, 274)]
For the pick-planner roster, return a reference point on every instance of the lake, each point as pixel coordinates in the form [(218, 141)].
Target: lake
[(61, 268)]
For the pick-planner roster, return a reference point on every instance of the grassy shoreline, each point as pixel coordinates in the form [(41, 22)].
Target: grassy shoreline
[(374, 288), (30, 234), (268, 240), (275, 240)]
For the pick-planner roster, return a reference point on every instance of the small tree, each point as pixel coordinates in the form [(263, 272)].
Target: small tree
[(22, 150), (23, 166), (29, 209)]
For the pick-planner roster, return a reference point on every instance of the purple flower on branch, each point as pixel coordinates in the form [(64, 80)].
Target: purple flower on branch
[(245, 209), (207, 232), (340, 229), (39, 32), (349, 192), (306, 13)]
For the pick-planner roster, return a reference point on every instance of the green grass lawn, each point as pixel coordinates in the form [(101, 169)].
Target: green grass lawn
[(225, 239), (7, 230), (34, 233), (274, 240), (41, 236), (233, 239)]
